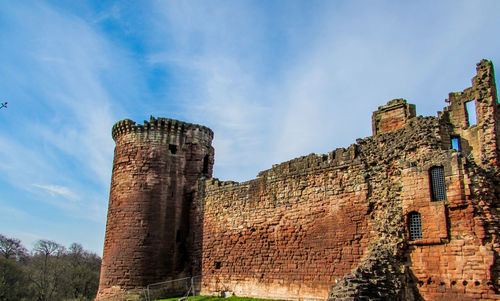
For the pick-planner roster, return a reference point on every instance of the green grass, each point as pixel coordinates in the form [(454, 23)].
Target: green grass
[(208, 298)]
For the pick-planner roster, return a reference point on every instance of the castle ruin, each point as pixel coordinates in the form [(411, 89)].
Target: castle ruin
[(410, 213)]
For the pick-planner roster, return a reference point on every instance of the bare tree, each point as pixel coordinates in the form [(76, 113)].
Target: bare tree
[(11, 248), (47, 248), (76, 249), (47, 269)]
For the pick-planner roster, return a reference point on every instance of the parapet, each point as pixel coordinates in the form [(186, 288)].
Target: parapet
[(392, 116), (337, 158), (166, 126)]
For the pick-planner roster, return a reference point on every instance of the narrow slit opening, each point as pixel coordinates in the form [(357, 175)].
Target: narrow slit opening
[(178, 236), (205, 164)]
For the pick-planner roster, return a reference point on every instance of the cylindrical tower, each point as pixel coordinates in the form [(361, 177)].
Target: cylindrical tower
[(155, 171)]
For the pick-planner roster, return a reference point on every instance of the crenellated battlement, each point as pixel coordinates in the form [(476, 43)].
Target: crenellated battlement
[(164, 125)]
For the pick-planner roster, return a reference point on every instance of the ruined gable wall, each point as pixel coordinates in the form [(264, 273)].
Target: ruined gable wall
[(458, 255), (482, 140)]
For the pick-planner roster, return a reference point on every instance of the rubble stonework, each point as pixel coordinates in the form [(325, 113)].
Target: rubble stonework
[(332, 226)]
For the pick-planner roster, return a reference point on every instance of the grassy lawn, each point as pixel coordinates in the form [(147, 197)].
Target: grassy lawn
[(208, 298)]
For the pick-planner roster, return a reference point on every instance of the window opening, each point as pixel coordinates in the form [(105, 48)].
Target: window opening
[(438, 184), (470, 108), (455, 143), (172, 148), (205, 164), (415, 225), (178, 237), (217, 265)]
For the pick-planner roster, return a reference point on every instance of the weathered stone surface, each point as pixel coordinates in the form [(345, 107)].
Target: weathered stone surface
[(285, 233), (321, 226), (155, 172), (392, 116)]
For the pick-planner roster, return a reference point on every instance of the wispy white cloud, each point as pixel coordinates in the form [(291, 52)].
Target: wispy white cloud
[(57, 69), (68, 60), (59, 190), (274, 80)]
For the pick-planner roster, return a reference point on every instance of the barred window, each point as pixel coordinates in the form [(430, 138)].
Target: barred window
[(438, 184), (415, 225)]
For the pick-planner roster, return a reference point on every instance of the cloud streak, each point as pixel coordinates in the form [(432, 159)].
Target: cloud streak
[(59, 190), (58, 84), (274, 80)]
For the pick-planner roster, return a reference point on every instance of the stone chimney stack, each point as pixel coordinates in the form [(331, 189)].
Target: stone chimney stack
[(392, 116)]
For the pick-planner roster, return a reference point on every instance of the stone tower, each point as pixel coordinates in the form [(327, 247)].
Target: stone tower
[(155, 171)]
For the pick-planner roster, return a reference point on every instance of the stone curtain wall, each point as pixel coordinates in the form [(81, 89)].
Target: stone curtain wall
[(303, 225), (293, 231)]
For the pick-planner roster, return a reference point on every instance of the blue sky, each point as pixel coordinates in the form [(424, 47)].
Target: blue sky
[(274, 79)]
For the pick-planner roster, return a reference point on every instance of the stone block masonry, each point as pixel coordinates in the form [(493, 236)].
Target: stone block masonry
[(155, 172), (410, 213), (285, 233)]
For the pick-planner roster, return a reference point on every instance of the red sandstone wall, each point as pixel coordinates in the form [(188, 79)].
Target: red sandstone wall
[(451, 261), (305, 224), (144, 213), (155, 170), (458, 255), (285, 236)]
